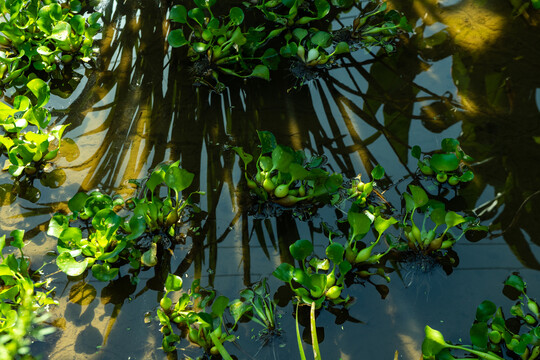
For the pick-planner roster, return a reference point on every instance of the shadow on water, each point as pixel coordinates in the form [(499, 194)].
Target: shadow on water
[(469, 70)]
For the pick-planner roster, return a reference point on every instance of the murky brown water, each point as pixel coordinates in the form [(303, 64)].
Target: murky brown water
[(470, 71)]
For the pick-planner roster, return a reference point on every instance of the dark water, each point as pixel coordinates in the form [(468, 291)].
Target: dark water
[(470, 71)]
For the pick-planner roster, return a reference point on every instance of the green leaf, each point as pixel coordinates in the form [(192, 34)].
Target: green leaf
[(77, 23), (378, 172), (444, 162), (299, 34), (433, 343), (342, 48), (104, 272), (419, 196), (268, 141), (178, 179), (516, 282), (270, 58), (282, 157), (69, 265), (219, 305), (173, 283), (41, 90), (17, 241), (381, 225), (452, 219), (467, 176), (322, 39), (335, 252), (449, 145), (479, 335), (61, 31), (284, 272), (485, 311), (416, 152), (179, 14), (359, 222), (261, 71), (197, 15), (438, 216), (301, 249), (536, 4), (149, 258), (409, 202), (246, 158), (236, 15)]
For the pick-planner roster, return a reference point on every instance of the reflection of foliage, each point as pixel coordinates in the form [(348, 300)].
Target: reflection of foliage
[(22, 306)]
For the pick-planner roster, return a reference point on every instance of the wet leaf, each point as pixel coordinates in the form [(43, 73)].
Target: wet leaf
[(284, 272), (444, 162), (179, 14), (485, 310), (378, 172), (178, 179), (419, 196), (359, 222), (335, 252)]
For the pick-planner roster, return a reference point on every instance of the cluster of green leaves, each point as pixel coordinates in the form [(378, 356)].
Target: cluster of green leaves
[(41, 35), (205, 328), (285, 177), (112, 240), (360, 191), (313, 282), (29, 148), (256, 304), (491, 332), (426, 238), (447, 164), (222, 43), (22, 303)]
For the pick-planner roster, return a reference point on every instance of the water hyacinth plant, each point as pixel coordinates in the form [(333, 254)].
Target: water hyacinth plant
[(425, 238), (491, 334), (228, 44), (204, 329), (113, 240), (43, 36), (449, 164), (23, 302), (285, 177), (27, 140)]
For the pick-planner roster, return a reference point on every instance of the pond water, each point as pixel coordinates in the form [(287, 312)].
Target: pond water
[(469, 71)]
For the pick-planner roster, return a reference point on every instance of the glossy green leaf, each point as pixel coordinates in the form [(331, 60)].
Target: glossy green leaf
[(485, 310), (173, 283), (271, 59), (438, 216), (69, 265), (236, 15), (516, 282), (104, 272), (322, 39), (360, 223), (197, 15), (444, 162), (433, 343), (77, 23), (416, 152), (453, 219), (238, 308), (61, 31), (467, 176), (449, 145), (246, 158), (419, 196), (299, 34), (378, 172), (282, 157), (284, 272), (178, 179), (479, 335), (41, 91), (381, 225), (335, 252), (219, 305), (179, 14), (18, 238), (301, 249), (342, 48)]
